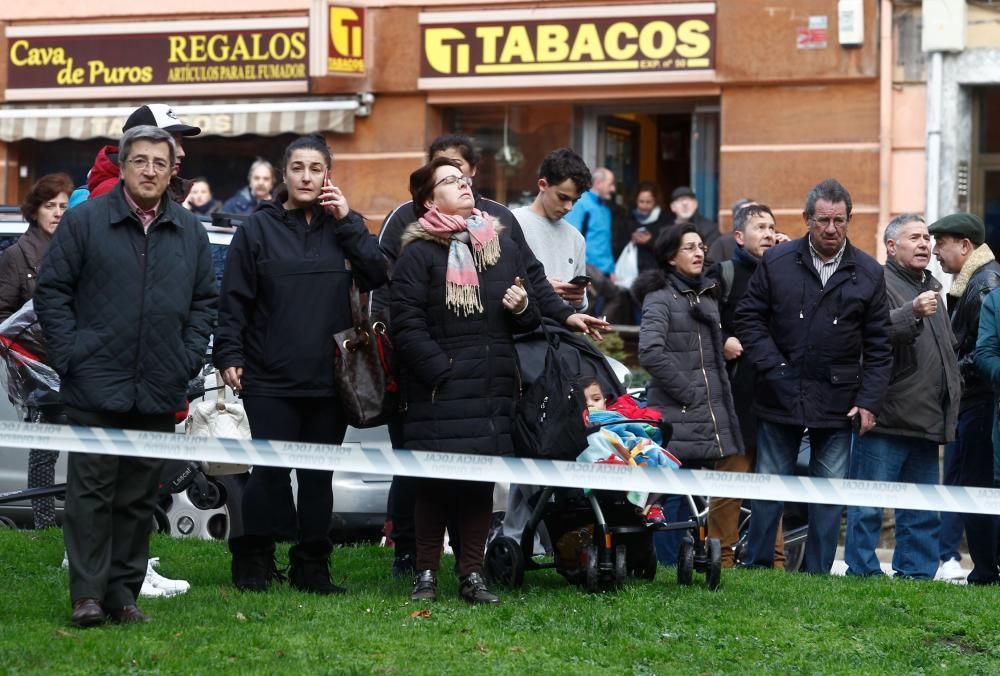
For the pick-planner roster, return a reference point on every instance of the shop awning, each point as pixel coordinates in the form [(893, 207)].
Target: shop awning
[(216, 118)]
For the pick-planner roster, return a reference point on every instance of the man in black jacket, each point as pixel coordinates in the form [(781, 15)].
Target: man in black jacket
[(961, 249), (547, 295), (754, 234), (127, 299), (814, 312)]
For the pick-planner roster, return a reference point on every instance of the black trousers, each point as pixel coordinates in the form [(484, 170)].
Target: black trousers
[(109, 512), (269, 511), (974, 457)]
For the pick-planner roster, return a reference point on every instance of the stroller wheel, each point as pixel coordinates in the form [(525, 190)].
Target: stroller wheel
[(621, 568), (504, 563), (593, 573), (645, 567), (713, 576), (685, 562)]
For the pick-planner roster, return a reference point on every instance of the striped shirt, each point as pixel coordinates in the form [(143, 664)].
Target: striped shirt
[(826, 268)]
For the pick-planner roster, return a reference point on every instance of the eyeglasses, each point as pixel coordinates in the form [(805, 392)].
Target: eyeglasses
[(143, 163), (691, 248), (452, 180), (827, 222)]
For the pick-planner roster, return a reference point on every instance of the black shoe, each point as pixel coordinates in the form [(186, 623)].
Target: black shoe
[(425, 587), (474, 590), (87, 613), (253, 567), (309, 568), (404, 566)]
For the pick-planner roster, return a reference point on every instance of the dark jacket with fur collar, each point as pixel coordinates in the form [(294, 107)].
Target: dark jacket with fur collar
[(680, 345), (458, 373)]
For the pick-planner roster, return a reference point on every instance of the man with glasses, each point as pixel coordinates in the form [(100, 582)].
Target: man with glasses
[(127, 300), (814, 312), (104, 175)]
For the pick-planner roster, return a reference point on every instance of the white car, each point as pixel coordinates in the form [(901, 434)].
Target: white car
[(359, 500)]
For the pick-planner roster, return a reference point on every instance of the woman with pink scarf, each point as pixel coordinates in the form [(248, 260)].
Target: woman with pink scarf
[(457, 300)]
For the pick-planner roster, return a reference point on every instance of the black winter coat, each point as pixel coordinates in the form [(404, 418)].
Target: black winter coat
[(126, 314), (390, 242), (979, 276), (818, 350), (680, 345), (286, 291), (19, 266), (458, 374)]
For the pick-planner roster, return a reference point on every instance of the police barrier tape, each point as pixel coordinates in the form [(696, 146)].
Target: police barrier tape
[(381, 458)]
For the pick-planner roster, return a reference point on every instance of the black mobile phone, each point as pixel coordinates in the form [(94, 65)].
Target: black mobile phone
[(580, 280)]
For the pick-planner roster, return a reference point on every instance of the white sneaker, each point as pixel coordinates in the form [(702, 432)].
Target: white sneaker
[(148, 591), (164, 586), (951, 570)]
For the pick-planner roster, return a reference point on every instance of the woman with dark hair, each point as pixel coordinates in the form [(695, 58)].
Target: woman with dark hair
[(457, 300), (680, 345), (285, 292), (647, 220), (43, 208)]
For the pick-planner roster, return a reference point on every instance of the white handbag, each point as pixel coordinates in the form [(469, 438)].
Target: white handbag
[(627, 266), (219, 419)]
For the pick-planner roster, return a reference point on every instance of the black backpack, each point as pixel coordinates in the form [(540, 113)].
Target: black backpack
[(551, 417)]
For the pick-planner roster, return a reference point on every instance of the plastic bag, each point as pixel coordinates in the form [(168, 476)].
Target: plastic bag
[(31, 383), (627, 266)]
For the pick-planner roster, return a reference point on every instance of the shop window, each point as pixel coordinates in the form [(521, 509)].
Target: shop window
[(512, 141), (984, 180)]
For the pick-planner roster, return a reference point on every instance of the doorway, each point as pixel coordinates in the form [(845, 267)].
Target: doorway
[(984, 181)]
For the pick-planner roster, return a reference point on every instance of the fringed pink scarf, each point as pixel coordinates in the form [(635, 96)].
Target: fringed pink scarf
[(473, 245)]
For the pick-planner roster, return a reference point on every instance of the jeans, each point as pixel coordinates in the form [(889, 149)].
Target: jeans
[(884, 457), (974, 457), (667, 543), (777, 449), (952, 528)]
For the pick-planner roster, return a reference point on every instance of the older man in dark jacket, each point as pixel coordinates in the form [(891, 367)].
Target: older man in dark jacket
[(918, 413), (815, 323), (961, 249), (127, 300)]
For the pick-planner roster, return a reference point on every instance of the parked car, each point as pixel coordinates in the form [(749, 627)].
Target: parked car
[(359, 500)]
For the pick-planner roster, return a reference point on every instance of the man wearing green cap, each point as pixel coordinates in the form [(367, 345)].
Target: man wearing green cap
[(961, 250)]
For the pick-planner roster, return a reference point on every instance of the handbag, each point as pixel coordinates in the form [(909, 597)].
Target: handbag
[(627, 266), (219, 419), (363, 369)]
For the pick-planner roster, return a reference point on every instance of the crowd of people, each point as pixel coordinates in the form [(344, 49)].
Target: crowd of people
[(752, 342)]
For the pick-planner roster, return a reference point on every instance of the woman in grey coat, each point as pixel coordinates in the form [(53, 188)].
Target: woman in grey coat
[(680, 345)]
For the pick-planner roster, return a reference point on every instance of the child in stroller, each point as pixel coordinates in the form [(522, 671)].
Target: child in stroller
[(598, 537)]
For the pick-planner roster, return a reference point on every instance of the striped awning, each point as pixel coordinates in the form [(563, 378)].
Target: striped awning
[(49, 122)]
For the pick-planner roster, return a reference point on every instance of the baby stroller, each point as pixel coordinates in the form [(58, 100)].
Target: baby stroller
[(33, 387), (598, 538)]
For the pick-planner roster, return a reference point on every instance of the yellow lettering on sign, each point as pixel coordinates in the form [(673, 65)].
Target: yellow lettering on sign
[(177, 45), (23, 54), (553, 43), (517, 46), (657, 39), (489, 35), (587, 43), (613, 41), (694, 39), (298, 45), (346, 40), (439, 49)]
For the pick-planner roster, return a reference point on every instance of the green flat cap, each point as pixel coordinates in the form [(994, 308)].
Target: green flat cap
[(961, 225)]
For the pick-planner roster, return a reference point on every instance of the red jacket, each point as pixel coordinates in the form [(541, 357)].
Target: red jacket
[(104, 175)]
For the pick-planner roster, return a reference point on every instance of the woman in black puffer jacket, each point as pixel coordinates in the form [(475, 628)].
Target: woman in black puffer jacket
[(680, 345), (456, 302)]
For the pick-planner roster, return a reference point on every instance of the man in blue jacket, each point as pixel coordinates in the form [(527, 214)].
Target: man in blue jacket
[(815, 323)]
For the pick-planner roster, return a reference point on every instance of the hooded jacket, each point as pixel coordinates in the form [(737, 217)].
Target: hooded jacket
[(286, 291), (19, 266), (818, 350), (127, 314), (979, 275), (106, 174), (458, 374), (680, 345)]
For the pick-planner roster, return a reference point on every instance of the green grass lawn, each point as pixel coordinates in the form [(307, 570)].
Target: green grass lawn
[(759, 621)]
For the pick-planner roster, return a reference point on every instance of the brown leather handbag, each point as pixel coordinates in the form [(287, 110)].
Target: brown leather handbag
[(363, 369)]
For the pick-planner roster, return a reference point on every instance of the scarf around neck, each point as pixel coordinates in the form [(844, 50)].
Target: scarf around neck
[(473, 245)]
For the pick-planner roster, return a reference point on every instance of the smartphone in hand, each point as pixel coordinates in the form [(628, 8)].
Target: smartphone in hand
[(580, 280)]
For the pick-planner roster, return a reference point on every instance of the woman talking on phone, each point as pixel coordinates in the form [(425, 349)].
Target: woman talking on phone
[(285, 292)]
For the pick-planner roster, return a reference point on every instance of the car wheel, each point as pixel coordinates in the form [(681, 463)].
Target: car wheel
[(6, 522)]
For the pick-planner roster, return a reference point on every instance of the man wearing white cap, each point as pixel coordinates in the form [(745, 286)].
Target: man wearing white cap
[(105, 173)]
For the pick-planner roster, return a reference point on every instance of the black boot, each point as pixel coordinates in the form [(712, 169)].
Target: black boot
[(474, 590), (425, 587), (253, 566), (309, 568)]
